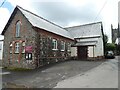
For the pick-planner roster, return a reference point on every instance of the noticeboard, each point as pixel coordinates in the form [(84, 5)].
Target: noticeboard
[(28, 49), (28, 56)]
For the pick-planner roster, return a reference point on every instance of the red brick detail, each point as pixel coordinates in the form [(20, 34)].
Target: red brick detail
[(58, 37)]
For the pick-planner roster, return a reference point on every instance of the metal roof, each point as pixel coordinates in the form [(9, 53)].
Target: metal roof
[(88, 30), (40, 22)]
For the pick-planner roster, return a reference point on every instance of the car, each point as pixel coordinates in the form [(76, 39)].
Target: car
[(109, 54)]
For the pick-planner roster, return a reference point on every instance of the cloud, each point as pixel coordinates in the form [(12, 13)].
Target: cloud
[(1, 1), (63, 13), (4, 16), (74, 12), (110, 16), (27, 4)]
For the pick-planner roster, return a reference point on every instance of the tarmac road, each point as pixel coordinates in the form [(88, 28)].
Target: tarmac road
[(47, 76), (103, 76)]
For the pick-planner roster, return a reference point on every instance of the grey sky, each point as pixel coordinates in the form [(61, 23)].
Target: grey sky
[(70, 12), (63, 14)]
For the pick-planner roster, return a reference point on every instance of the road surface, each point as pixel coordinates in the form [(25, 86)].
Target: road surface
[(103, 76), (47, 76)]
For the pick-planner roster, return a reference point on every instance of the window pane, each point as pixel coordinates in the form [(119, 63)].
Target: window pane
[(23, 44), (69, 47), (17, 48), (11, 45), (54, 44), (23, 51), (23, 47), (11, 48), (18, 29), (62, 45)]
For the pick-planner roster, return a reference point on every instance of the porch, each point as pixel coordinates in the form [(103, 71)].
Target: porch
[(84, 50)]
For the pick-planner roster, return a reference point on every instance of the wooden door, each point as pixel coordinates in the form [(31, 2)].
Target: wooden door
[(82, 52)]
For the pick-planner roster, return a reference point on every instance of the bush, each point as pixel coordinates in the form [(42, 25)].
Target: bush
[(110, 46)]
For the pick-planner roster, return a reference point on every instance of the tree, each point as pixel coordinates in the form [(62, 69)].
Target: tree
[(105, 40), (118, 49), (110, 46)]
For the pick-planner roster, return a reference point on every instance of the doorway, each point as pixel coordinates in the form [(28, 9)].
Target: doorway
[(82, 52)]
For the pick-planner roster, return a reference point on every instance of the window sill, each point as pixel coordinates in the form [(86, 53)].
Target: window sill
[(17, 37), (23, 52), (69, 50), (62, 50), (16, 52), (54, 49)]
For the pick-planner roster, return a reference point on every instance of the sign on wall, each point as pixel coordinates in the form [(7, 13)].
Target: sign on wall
[(28, 49)]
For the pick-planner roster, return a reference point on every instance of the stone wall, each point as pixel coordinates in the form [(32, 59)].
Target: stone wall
[(39, 39), (43, 51), (27, 35)]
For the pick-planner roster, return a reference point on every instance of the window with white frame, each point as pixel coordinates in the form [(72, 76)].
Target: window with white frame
[(62, 46), (17, 47), (10, 47), (23, 47), (69, 47), (54, 44), (18, 24)]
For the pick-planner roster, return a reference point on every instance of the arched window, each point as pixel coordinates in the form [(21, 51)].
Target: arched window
[(18, 24)]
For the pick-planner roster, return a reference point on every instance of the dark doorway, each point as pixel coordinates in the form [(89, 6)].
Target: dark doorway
[(82, 52)]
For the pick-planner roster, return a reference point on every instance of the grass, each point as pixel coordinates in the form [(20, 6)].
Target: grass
[(18, 69)]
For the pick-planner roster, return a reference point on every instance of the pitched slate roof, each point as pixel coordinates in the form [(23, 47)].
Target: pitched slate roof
[(82, 31), (87, 30), (40, 22)]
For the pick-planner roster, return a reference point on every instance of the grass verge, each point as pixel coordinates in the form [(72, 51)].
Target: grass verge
[(17, 69)]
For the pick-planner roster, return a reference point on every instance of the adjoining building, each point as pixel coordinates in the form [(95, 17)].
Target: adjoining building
[(88, 41), (115, 34), (31, 41)]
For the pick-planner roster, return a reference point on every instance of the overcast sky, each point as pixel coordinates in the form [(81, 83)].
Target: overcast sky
[(67, 12)]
